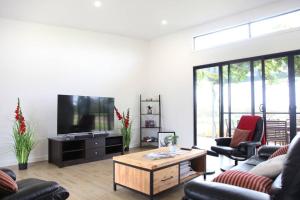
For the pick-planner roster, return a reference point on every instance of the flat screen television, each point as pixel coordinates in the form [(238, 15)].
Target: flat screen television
[(84, 114)]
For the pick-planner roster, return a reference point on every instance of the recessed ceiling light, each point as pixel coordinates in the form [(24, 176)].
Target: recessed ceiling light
[(164, 22), (97, 4)]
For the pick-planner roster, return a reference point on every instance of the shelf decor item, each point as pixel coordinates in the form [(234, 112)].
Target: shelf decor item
[(23, 136), (149, 109), (126, 128)]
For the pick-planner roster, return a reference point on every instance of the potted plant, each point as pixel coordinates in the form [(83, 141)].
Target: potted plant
[(126, 128), (23, 138), (172, 141)]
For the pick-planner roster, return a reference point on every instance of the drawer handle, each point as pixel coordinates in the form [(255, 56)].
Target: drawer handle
[(167, 178)]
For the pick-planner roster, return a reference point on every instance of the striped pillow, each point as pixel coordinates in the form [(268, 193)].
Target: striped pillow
[(245, 180), (7, 183), (280, 151)]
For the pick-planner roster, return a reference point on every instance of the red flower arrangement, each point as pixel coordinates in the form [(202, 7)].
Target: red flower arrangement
[(20, 119), (126, 127), (23, 138)]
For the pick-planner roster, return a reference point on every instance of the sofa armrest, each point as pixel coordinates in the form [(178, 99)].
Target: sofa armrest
[(9, 172), (225, 141), (266, 151), (197, 190), (36, 189)]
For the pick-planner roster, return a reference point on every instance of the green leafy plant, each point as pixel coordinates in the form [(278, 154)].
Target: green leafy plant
[(172, 139), (126, 127), (23, 137)]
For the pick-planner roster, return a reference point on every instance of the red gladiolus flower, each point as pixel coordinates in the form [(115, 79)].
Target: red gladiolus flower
[(127, 119), (127, 116), (118, 114), (17, 111), (20, 120), (22, 128), (126, 123)]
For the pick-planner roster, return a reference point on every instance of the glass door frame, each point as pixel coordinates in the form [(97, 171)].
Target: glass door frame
[(292, 91)]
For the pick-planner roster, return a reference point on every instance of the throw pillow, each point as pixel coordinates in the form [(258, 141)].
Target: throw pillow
[(270, 168), (245, 180), (280, 151), (7, 183), (238, 137)]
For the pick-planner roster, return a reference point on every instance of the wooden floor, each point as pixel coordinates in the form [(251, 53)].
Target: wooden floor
[(89, 181)]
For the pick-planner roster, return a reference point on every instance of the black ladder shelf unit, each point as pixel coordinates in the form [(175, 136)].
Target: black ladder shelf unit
[(151, 130)]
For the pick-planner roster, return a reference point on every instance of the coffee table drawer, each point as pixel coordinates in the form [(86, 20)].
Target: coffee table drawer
[(165, 178)]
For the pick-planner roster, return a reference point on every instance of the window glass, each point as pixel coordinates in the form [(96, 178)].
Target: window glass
[(275, 24), (246, 31), (222, 37)]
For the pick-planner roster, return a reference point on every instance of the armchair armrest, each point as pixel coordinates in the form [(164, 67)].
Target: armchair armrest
[(197, 190), (267, 151), (9, 172), (225, 141), (247, 144)]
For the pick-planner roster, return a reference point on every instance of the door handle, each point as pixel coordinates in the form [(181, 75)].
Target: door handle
[(261, 107)]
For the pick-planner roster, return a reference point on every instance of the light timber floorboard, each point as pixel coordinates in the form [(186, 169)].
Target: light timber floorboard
[(90, 181)]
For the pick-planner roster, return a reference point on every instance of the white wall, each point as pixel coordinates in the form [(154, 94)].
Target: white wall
[(172, 58), (37, 62)]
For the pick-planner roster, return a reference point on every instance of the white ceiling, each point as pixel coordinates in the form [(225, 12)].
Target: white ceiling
[(133, 18)]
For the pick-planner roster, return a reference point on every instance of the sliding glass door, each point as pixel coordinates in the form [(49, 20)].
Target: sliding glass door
[(207, 90), (264, 85), (240, 92), (277, 100)]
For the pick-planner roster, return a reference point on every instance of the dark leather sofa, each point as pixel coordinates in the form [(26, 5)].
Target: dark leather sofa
[(286, 186), (34, 189)]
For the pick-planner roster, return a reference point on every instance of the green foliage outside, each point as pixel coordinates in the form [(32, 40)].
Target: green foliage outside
[(275, 69)]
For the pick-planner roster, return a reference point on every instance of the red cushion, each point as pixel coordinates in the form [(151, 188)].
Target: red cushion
[(238, 137), (245, 180), (7, 183), (280, 151)]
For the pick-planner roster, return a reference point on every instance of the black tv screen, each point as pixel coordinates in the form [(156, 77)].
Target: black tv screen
[(78, 114)]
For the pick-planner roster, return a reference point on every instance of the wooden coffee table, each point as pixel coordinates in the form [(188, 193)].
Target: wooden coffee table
[(151, 177)]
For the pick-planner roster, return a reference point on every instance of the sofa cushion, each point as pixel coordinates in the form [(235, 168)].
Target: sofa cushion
[(280, 151), (7, 184), (245, 180), (238, 137), (270, 168)]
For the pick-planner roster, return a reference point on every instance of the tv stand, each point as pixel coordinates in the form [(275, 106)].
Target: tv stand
[(66, 151)]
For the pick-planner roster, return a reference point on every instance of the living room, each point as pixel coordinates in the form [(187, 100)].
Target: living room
[(141, 49)]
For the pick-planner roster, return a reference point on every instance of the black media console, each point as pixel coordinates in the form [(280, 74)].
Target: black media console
[(66, 151)]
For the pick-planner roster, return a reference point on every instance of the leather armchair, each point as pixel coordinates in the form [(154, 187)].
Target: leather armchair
[(34, 189), (245, 149)]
